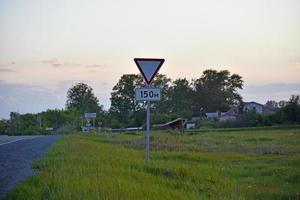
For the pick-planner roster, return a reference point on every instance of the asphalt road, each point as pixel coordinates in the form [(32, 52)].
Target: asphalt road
[(16, 156)]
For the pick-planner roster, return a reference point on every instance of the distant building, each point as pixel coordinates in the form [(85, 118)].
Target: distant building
[(195, 118), (253, 106), (231, 114), (211, 115), (190, 125), (257, 107)]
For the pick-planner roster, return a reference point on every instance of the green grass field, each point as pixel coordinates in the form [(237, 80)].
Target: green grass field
[(260, 164)]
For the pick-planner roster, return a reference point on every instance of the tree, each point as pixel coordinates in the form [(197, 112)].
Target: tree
[(4, 126), (14, 120), (292, 109), (126, 109), (53, 118), (26, 124), (181, 98), (82, 98), (163, 82), (122, 96), (272, 104), (123, 103), (282, 103), (216, 90)]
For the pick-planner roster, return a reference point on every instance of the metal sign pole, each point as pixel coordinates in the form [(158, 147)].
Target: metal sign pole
[(148, 68), (148, 131)]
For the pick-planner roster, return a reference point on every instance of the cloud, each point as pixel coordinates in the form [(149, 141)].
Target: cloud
[(6, 70), (55, 62), (93, 66), (297, 64), (60, 62), (274, 91), (29, 98)]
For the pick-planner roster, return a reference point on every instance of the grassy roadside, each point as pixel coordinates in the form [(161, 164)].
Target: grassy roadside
[(110, 167)]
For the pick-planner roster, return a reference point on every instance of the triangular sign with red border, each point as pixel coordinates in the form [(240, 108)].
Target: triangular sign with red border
[(149, 67)]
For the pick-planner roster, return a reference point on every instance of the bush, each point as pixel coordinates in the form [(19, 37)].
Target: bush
[(67, 129), (245, 119), (248, 119), (208, 123), (33, 130)]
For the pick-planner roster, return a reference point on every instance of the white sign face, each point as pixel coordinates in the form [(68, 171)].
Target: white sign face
[(89, 115), (149, 67), (147, 94)]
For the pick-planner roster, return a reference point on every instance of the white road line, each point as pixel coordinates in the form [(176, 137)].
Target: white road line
[(19, 140), (12, 141)]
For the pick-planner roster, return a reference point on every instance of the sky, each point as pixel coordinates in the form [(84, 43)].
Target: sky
[(48, 46)]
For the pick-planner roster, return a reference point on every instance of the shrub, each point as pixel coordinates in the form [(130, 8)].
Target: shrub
[(67, 129)]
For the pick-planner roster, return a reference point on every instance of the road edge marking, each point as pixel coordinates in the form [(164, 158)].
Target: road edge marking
[(19, 140)]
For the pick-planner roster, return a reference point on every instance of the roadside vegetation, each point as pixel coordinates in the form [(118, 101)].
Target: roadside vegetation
[(212, 91), (250, 164)]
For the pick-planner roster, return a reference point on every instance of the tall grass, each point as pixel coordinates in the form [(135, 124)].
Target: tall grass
[(98, 167)]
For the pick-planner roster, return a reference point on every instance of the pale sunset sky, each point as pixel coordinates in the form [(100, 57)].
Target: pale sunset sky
[(47, 46)]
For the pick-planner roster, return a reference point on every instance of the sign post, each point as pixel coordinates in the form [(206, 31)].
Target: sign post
[(148, 68), (88, 117), (148, 131)]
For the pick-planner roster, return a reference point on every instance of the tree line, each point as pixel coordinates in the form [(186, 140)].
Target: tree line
[(212, 91)]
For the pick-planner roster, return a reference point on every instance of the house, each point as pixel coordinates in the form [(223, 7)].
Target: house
[(253, 106), (190, 124), (211, 115), (257, 107), (231, 114), (196, 118)]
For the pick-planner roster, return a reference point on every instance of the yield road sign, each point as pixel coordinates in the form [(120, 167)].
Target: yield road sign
[(149, 67), (147, 94)]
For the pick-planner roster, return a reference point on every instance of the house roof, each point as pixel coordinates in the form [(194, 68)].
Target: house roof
[(253, 102), (266, 109), (173, 122), (211, 114), (232, 112)]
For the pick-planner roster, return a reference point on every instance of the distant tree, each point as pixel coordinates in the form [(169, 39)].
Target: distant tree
[(123, 103), (216, 90), (181, 98), (122, 96), (272, 104), (292, 109), (125, 109), (26, 124), (53, 118), (14, 120), (163, 82), (4, 126), (82, 98), (282, 103)]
